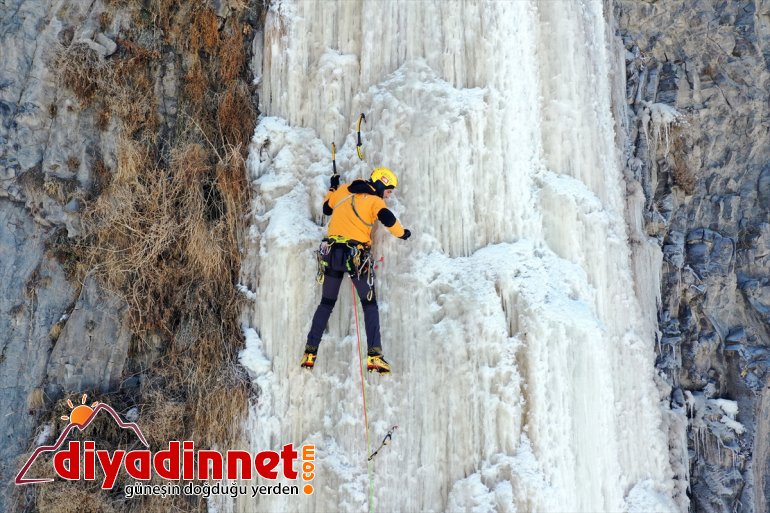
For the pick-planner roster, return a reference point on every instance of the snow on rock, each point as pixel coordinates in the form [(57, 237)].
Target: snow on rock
[(659, 118), (523, 374), (713, 420), (647, 496)]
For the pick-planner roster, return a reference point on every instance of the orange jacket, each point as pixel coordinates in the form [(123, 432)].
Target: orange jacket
[(354, 207)]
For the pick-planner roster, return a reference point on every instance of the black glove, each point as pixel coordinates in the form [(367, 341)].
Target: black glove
[(335, 182), (406, 234)]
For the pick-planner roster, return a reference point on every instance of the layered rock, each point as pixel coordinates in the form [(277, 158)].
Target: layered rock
[(47, 143), (697, 80)]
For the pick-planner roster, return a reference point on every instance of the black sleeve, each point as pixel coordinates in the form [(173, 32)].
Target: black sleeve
[(386, 217), (327, 209)]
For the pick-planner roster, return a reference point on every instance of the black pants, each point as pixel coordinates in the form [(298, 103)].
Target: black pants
[(333, 276)]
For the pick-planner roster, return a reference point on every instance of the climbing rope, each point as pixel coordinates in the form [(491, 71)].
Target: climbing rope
[(363, 394)]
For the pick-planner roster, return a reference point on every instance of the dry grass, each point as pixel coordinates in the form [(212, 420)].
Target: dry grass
[(195, 82), (63, 497), (204, 32), (162, 228), (103, 117), (232, 56), (100, 177), (681, 173), (167, 241), (105, 21), (83, 70), (236, 116), (59, 189), (161, 417), (73, 163), (36, 398)]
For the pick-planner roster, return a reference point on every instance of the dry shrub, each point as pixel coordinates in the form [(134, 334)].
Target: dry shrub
[(134, 72), (231, 182), (681, 174), (59, 189), (100, 176), (163, 14), (136, 109), (138, 54), (205, 249), (195, 82), (204, 32), (105, 20), (170, 248), (103, 117), (132, 231), (236, 116), (231, 52), (36, 398), (83, 70), (217, 412), (65, 497), (73, 163), (163, 231), (161, 417), (55, 332), (205, 242)]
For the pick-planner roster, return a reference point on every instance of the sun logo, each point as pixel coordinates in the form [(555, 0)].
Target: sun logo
[(81, 413)]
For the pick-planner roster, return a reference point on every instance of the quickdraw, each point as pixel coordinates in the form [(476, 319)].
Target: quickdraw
[(360, 264), (388, 438)]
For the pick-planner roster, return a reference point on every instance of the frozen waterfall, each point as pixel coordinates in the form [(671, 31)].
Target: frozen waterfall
[(519, 329)]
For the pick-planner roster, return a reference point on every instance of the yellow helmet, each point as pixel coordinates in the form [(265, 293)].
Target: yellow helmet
[(386, 176)]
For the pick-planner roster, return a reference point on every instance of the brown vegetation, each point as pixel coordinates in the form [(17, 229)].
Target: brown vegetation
[(162, 228), (82, 70), (681, 173)]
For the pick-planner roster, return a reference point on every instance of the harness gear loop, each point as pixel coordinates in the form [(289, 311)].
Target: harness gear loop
[(321, 253)]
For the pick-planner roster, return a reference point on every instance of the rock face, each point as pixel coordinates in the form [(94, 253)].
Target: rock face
[(58, 147), (697, 81), (45, 146), (91, 350)]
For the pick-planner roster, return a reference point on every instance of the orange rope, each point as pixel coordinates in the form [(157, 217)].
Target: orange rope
[(363, 394)]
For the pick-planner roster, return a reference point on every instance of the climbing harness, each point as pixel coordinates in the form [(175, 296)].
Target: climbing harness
[(358, 261), (358, 132), (385, 442)]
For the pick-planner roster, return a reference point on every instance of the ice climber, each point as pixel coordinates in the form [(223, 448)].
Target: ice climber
[(353, 208)]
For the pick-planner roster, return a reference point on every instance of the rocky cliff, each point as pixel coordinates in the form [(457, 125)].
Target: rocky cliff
[(123, 127), (697, 82)]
